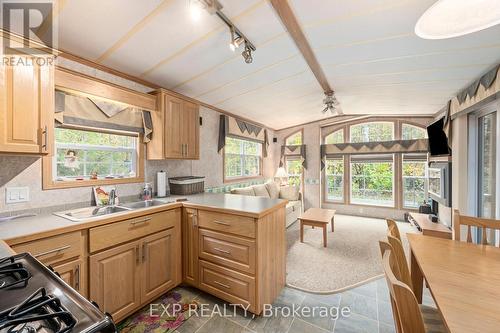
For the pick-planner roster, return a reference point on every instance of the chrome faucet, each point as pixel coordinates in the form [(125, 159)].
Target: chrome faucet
[(112, 197)]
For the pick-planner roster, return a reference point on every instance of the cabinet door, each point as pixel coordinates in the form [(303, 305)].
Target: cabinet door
[(161, 263), (115, 279), (191, 123), (190, 247), (174, 145), (26, 107), (73, 273)]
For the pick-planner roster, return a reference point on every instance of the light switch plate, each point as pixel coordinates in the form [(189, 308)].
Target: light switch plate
[(17, 194)]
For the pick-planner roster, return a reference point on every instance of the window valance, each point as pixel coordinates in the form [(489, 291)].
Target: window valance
[(386, 147), (482, 90), (240, 129), (98, 113), (293, 151)]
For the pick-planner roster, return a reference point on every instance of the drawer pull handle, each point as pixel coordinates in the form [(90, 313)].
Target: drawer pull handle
[(134, 223), (222, 284), (222, 223), (221, 250), (58, 250)]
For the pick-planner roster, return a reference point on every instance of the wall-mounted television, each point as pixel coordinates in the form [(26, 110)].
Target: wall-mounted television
[(438, 141)]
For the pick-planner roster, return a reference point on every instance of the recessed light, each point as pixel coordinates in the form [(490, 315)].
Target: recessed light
[(453, 18)]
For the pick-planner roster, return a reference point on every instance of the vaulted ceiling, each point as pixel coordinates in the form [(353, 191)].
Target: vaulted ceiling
[(367, 49)]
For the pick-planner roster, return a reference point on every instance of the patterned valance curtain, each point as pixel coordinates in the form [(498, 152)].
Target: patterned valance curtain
[(386, 147), (293, 151), (97, 113), (486, 81), (240, 129)]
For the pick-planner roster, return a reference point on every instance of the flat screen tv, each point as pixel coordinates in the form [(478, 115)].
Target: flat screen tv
[(438, 142)]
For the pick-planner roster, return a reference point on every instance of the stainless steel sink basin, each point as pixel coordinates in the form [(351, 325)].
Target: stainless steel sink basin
[(83, 214), (144, 204)]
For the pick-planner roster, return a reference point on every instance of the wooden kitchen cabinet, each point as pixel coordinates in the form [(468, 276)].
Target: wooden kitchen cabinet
[(27, 106), (190, 247), (176, 129), (115, 279), (73, 273), (161, 263)]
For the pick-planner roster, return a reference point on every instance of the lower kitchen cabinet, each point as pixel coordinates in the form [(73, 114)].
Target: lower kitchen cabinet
[(73, 273), (115, 279), (190, 246), (161, 258)]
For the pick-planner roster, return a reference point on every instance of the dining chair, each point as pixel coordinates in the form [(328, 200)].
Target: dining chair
[(411, 317), (469, 221), (400, 257), (392, 226)]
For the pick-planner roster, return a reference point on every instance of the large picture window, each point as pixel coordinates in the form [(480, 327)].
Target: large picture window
[(410, 132), (372, 180), (414, 180), (91, 155), (334, 172), (335, 137), (242, 158), (372, 132)]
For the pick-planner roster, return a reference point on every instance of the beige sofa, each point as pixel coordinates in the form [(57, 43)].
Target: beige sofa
[(273, 190)]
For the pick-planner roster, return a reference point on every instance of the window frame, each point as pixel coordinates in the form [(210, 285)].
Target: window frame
[(404, 123), (344, 192), (425, 177), (301, 132), (48, 166), (237, 179)]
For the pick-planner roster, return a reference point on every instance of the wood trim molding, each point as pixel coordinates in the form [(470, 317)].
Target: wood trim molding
[(285, 13), (71, 81)]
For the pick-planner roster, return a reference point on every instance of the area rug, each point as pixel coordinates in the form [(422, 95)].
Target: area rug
[(166, 315), (351, 258)]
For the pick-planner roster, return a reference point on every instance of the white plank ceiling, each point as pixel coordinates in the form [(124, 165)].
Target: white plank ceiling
[(367, 48)]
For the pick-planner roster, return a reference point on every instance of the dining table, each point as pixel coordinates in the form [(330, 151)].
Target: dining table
[(463, 278)]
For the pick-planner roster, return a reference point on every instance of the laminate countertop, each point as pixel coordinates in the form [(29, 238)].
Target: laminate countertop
[(5, 250), (46, 225)]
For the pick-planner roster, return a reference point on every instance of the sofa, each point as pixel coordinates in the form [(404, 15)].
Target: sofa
[(275, 191)]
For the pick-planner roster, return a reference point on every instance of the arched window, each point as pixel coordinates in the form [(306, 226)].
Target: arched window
[(412, 132), (293, 164), (294, 139), (373, 131), (335, 137)]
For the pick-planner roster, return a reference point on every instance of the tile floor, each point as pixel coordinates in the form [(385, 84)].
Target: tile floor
[(370, 312)]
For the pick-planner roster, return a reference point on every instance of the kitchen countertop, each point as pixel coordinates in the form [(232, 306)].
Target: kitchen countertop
[(46, 225), (5, 250)]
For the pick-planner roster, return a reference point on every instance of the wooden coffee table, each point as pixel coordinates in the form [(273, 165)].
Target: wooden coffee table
[(317, 217)]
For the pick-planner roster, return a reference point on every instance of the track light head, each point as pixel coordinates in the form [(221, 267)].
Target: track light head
[(247, 54), (235, 41), (331, 103)]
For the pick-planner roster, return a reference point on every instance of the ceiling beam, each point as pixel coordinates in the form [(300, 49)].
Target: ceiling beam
[(285, 13)]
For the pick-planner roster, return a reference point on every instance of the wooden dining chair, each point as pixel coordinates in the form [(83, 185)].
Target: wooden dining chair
[(400, 257), (411, 317), (469, 221), (393, 229)]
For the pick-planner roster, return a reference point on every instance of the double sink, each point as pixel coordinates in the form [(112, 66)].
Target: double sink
[(83, 214)]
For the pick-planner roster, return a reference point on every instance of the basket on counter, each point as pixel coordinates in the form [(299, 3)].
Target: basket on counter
[(187, 185)]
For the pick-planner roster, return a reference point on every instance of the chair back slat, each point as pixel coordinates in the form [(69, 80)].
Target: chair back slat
[(392, 226), (408, 312), (399, 255), (469, 221)]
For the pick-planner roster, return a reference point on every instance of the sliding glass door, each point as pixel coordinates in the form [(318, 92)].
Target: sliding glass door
[(487, 148)]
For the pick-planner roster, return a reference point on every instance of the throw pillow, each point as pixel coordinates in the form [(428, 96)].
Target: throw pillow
[(261, 191), (289, 192), (244, 191), (274, 189)]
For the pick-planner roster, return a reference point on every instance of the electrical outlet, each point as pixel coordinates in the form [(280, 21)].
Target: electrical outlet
[(17, 194)]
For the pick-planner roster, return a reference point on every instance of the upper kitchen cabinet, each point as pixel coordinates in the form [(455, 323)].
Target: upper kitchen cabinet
[(27, 105), (179, 136)]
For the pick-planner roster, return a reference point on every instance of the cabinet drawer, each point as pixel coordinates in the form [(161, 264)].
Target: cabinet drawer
[(121, 232), (234, 224), (229, 285), (54, 249), (231, 251)]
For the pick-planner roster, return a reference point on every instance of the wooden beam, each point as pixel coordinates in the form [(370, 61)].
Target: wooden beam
[(285, 13)]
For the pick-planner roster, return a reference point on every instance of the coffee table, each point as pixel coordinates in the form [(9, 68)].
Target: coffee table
[(317, 217)]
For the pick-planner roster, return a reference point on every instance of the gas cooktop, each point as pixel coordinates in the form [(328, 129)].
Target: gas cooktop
[(34, 299)]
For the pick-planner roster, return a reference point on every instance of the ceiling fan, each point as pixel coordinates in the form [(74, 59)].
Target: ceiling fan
[(332, 104)]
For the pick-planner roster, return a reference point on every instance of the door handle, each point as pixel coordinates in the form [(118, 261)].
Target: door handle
[(77, 277), (45, 140), (144, 254), (187, 149), (137, 255)]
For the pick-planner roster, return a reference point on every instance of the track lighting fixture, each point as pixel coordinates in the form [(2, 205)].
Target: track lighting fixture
[(247, 54), (237, 37), (331, 103)]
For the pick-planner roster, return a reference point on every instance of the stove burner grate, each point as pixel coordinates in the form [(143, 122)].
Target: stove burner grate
[(38, 313), (13, 274)]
